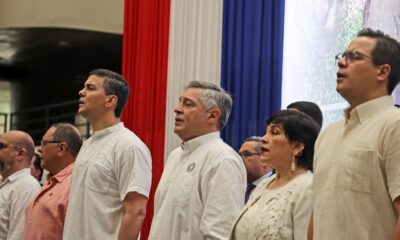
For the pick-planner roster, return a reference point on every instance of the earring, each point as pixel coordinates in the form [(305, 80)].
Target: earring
[(293, 167)]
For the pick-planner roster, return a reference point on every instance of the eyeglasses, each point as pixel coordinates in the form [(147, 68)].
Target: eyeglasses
[(44, 143), (350, 57), (247, 154), (6, 145)]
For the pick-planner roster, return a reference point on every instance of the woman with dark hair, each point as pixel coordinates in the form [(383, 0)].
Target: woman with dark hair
[(280, 207)]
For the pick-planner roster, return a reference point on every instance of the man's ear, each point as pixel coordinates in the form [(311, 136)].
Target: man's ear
[(384, 72), (21, 153), (63, 148), (214, 114), (111, 101)]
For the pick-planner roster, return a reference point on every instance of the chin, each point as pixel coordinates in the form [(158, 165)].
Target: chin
[(82, 112)]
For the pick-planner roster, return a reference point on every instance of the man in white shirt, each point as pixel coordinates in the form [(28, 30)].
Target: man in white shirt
[(111, 180), (18, 186), (357, 160), (250, 151), (201, 191)]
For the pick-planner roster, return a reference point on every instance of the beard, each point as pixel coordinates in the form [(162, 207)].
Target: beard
[(4, 166)]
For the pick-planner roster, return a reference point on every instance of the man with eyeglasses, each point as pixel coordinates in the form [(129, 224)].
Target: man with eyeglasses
[(357, 160), (257, 171), (45, 214), (111, 180), (17, 186)]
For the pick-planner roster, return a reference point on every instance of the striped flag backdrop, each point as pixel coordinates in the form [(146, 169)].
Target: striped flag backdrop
[(234, 43)]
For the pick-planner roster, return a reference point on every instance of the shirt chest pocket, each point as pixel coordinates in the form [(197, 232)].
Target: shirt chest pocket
[(98, 177), (356, 172)]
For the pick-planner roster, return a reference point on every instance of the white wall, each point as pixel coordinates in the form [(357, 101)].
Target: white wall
[(99, 15)]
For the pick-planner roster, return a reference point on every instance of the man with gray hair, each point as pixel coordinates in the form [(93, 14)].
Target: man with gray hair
[(201, 191), (45, 214), (18, 186), (250, 151)]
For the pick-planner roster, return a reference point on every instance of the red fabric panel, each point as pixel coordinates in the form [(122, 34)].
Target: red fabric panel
[(145, 66)]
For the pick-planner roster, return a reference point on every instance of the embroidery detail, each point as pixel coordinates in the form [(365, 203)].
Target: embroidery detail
[(191, 167)]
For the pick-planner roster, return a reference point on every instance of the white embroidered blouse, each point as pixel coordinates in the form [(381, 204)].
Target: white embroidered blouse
[(282, 213)]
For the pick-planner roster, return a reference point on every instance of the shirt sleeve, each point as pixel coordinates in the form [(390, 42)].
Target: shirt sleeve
[(391, 158), (223, 188), (301, 214), (17, 212), (133, 171)]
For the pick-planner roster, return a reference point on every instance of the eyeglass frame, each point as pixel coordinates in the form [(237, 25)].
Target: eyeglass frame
[(350, 56), (6, 145), (246, 154), (44, 143)]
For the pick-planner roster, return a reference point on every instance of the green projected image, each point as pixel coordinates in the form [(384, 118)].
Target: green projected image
[(315, 31)]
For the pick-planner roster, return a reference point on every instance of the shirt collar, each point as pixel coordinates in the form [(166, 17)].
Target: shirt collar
[(61, 175), (192, 144), (256, 182), (368, 109), (107, 130), (13, 177)]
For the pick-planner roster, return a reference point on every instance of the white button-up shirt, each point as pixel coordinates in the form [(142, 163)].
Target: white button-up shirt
[(201, 191), (16, 192), (357, 174)]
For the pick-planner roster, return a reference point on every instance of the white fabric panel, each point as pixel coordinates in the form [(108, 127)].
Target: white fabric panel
[(194, 53)]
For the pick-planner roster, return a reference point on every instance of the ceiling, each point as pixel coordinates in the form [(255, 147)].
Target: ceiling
[(55, 61)]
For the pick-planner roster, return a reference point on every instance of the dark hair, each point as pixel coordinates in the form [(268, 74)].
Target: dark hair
[(213, 96), (68, 133), (114, 84), (309, 108), (257, 140), (36, 165), (301, 128), (386, 51)]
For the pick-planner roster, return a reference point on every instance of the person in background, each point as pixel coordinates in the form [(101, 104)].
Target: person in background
[(201, 190), (36, 169), (18, 186), (111, 180), (257, 171), (281, 206), (45, 214), (357, 160), (309, 108)]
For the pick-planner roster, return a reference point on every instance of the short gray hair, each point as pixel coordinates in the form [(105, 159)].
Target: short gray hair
[(256, 139), (213, 96), (68, 133)]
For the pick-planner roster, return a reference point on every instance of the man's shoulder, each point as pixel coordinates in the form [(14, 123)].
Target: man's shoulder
[(391, 114), (333, 126), (26, 182), (219, 148), (215, 149), (125, 138), (30, 180)]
